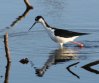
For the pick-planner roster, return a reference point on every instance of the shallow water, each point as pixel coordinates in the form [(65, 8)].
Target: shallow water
[(48, 63)]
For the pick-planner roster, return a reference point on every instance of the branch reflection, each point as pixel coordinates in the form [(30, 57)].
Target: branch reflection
[(55, 57), (68, 68), (7, 73), (88, 67)]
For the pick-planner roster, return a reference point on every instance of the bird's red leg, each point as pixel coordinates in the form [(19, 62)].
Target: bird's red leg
[(79, 44)]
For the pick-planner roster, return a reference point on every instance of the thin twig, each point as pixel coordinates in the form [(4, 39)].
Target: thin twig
[(89, 65), (68, 68)]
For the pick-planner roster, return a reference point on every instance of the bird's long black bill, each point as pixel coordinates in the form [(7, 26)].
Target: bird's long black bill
[(32, 26)]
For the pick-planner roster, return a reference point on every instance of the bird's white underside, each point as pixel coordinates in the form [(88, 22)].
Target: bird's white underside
[(57, 39)]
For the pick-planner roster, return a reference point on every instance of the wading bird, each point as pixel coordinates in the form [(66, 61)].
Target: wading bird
[(60, 36)]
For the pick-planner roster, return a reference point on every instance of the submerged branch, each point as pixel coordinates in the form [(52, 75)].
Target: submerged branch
[(7, 73), (68, 68), (88, 67)]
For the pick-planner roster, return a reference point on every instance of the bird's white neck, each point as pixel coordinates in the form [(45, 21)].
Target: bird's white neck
[(44, 23)]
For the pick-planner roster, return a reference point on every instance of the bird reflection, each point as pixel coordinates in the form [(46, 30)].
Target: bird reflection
[(63, 55), (55, 57)]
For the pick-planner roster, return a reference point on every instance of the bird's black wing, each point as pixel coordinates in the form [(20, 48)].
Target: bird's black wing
[(66, 33)]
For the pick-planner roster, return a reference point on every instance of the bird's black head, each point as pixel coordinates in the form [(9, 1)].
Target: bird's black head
[(37, 19)]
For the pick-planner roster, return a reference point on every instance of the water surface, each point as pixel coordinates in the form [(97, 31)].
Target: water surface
[(48, 63)]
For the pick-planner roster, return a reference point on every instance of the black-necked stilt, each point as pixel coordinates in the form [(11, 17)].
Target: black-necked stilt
[(60, 36)]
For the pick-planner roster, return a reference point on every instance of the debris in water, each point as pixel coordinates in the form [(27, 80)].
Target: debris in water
[(24, 61)]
